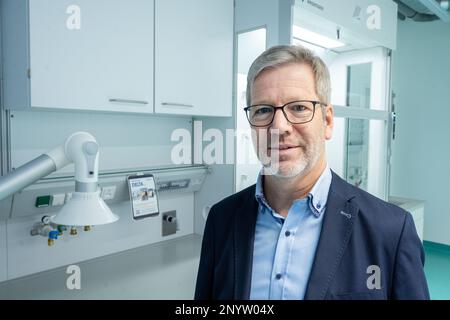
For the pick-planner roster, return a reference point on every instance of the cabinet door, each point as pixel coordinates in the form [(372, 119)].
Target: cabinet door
[(92, 54), (194, 57)]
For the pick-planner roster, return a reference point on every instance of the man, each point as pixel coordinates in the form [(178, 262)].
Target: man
[(302, 232)]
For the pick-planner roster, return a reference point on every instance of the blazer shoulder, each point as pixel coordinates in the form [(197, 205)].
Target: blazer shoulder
[(380, 214), (379, 209), (233, 202)]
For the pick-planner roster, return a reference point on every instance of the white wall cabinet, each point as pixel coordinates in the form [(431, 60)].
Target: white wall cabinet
[(194, 57), (105, 55), (79, 54)]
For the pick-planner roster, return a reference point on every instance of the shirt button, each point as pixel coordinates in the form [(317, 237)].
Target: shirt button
[(287, 233), (319, 205), (278, 276)]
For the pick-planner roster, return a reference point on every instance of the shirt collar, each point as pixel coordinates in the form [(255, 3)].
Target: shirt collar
[(317, 197), (259, 193), (319, 193)]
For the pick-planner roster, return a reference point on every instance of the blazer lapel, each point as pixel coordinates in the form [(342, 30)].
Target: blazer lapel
[(244, 234), (336, 230)]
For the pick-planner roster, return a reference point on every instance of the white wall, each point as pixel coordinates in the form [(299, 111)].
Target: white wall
[(250, 45), (421, 151), (22, 254), (126, 141), (219, 182), (3, 252)]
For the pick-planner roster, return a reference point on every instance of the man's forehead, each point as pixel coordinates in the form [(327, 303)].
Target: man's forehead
[(293, 71), (284, 83)]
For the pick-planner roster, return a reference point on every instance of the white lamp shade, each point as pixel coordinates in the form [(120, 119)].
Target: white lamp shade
[(84, 209)]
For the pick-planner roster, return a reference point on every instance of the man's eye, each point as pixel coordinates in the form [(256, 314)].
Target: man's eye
[(262, 111), (299, 108)]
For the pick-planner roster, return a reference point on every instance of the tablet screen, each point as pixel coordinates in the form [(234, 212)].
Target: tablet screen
[(144, 199)]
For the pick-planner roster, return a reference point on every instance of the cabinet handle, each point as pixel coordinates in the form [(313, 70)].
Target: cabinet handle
[(172, 104), (128, 101)]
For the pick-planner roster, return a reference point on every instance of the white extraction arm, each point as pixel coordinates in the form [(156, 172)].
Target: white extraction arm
[(86, 208)]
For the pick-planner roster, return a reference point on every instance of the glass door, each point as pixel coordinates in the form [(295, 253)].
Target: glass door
[(250, 45), (360, 79), (360, 82)]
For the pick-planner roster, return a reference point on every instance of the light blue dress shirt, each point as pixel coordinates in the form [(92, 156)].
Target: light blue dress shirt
[(284, 248)]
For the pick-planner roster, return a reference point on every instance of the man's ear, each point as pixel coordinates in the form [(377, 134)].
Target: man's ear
[(329, 122)]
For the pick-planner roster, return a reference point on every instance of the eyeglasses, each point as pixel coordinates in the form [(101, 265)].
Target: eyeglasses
[(296, 112)]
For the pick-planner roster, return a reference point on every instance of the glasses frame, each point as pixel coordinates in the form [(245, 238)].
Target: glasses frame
[(315, 103)]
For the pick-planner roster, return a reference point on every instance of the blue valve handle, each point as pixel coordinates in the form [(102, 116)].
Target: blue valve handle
[(53, 235)]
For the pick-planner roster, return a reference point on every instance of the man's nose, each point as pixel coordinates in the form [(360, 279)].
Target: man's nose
[(280, 122)]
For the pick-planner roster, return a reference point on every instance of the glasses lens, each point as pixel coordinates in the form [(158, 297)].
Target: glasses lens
[(300, 112), (260, 115)]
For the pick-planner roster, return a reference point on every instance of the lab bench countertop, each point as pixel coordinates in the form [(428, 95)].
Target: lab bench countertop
[(165, 270)]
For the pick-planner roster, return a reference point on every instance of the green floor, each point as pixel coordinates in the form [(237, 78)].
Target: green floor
[(437, 270)]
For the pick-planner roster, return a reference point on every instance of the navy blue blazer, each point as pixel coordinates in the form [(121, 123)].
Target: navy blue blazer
[(359, 230)]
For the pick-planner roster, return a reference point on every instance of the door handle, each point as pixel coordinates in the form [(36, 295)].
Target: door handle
[(128, 101), (174, 104)]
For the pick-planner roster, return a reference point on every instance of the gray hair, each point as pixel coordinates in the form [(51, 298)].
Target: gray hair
[(281, 55)]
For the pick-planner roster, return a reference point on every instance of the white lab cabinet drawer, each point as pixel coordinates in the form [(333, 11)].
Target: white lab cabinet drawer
[(194, 57), (83, 54)]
